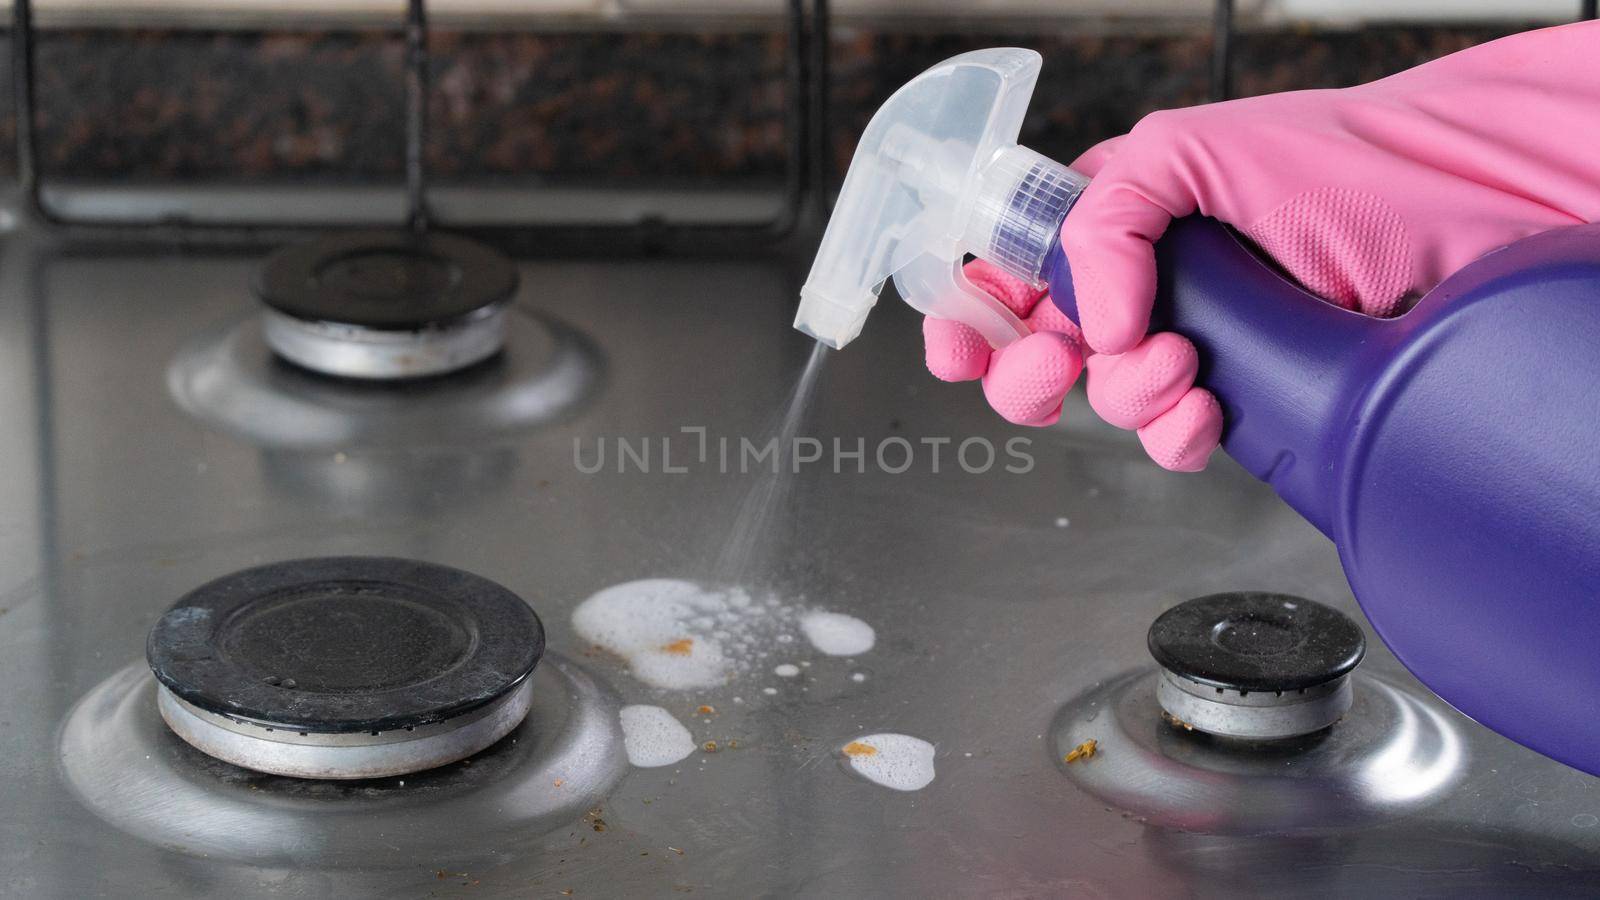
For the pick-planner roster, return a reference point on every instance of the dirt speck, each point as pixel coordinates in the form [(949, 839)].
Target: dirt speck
[(1085, 750)]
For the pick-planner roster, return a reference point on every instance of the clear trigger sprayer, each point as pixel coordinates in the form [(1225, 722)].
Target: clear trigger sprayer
[(938, 174)]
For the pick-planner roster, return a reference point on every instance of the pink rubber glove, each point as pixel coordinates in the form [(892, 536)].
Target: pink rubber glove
[(1366, 196)]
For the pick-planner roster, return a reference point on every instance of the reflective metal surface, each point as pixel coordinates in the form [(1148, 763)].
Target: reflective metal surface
[(1395, 752), (1010, 612), (228, 376), (121, 761)]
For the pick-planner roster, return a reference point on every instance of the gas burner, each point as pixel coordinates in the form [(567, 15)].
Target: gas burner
[(1255, 665), (230, 378), (1396, 751), (345, 667), (386, 305)]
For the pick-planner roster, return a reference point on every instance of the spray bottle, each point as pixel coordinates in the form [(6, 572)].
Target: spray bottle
[(1458, 477)]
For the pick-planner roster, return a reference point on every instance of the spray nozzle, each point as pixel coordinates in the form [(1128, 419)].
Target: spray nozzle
[(937, 175)]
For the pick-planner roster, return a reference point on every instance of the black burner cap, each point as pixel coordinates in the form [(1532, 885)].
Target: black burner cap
[(386, 280), (1249, 641), (346, 644)]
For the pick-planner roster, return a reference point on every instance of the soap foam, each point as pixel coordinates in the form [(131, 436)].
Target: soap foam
[(837, 634), (679, 635), (674, 634), (786, 670), (896, 761), (653, 737)]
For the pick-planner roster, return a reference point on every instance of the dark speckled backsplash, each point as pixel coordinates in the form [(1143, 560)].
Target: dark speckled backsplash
[(575, 107)]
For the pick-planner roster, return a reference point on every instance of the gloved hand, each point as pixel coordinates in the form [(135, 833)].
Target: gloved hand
[(1150, 389), (1366, 196)]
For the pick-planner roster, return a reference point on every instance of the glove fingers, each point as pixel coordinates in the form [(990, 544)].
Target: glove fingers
[(1049, 317), (954, 352), (1183, 438), (1028, 380), (1108, 241), (1018, 295), (1143, 183), (1132, 389)]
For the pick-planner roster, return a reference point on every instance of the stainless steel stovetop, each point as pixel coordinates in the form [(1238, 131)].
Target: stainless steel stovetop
[(152, 445)]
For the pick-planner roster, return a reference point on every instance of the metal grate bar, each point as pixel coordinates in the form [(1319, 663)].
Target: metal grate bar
[(417, 82), (804, 189), (1222, 51)]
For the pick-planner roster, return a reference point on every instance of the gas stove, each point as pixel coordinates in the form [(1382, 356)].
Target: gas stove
[(162, 439)]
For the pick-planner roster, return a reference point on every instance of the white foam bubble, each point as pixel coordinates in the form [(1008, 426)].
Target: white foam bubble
[(653, 737), (680, 635), (897, 761), (837, 634), (858, 676), (786, 670), (658, 625)]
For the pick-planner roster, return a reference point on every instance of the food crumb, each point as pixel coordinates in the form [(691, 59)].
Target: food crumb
[(709, 746), (567, 892), (706, 710), (1174, 720), (856, 748), (560, 781), (1084, 750), (679, 647), (676, 850)]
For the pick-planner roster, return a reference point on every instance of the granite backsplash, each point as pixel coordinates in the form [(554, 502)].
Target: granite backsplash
[(574, 107)]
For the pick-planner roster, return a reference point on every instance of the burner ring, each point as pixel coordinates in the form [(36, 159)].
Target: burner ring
[(386, 304), (1259, 666), (354, 351), (377, 754), (372, 660)]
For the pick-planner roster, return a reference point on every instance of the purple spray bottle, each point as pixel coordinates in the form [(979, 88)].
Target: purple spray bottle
[(1463, 493)]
